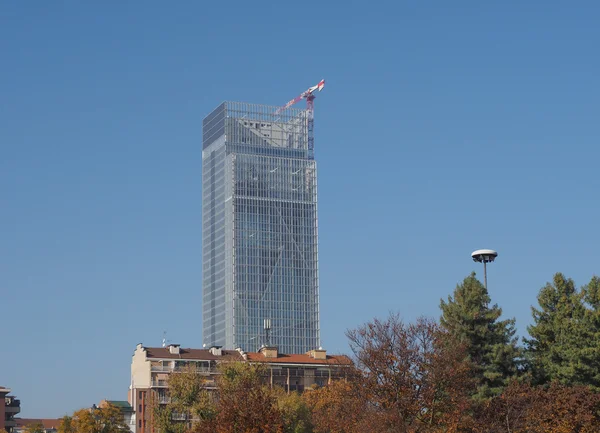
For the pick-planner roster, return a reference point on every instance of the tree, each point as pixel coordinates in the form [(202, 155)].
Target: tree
[(523, 408), (507, 412), (295, 412), (339, 407), (106, 419), (416, 377), (491, 343), (189, 402), (243, 403), (559, 347), (590, 350), (34, 428), (66, 425)]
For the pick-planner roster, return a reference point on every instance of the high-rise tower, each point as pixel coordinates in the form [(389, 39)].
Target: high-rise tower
[(259, 228)]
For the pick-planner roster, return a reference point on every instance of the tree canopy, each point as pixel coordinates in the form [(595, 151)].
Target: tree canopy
[(564, 340), (490, 342)]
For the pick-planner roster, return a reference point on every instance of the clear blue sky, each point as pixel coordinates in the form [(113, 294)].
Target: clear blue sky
[(444, 127)]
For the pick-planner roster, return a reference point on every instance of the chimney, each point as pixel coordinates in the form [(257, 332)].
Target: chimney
[(215, 350), (319, 353), (269, 351), (174, 349)]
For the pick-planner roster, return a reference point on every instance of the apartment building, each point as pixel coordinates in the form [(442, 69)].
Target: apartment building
[(151, 367), (9, 407)]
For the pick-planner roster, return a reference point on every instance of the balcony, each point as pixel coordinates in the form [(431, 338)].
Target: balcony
[(160, 383), (161, 368), (12, 405), (169, 369)]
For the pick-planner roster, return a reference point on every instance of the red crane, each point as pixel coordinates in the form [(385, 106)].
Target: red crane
[(308, 94)]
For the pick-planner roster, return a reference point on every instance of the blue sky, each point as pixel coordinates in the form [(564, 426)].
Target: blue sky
[(444, 127)]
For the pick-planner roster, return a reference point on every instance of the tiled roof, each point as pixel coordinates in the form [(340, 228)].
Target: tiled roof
[(197, 354), (300, 359), (48, 423), (205, 355), (121, 404)]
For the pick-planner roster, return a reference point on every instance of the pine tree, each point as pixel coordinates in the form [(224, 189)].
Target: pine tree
[(557, 324), (590, 349), (564, 344), (491, 343)]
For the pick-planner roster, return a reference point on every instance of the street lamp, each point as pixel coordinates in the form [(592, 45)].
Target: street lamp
[(485, 257)]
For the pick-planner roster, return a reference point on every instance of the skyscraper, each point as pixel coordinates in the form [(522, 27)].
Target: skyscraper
[(259, 228)]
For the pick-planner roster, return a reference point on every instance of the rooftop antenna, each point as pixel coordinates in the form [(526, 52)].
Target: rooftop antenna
[(485, 257), (268, 331)]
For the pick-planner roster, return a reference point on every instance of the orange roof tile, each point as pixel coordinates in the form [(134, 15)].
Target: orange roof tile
[(48, 423)]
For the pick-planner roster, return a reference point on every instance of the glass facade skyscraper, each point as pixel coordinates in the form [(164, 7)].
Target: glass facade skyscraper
[(259, 228)]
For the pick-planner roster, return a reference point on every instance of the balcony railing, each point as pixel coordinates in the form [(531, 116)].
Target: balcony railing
[(169, 369)]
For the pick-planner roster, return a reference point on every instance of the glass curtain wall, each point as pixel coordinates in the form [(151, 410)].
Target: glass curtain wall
[(260, 256)]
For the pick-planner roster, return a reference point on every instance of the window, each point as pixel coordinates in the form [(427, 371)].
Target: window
[(140, 407), (141, 394), (140, 423)]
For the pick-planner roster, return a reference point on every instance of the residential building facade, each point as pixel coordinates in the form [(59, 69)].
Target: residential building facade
[(151, 367), (259, 229), (9, 408)]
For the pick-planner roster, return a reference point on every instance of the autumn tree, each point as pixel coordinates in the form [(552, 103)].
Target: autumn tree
[(340, 407), (66, 425), (490, 342), (416, 377), (189, 402), (106, 419), (523, 408), (559, 335), (295, 412), (244, 404), (34, 428), (507, 412)]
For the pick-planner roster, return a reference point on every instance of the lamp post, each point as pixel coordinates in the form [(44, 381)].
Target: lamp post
[(485, 257)]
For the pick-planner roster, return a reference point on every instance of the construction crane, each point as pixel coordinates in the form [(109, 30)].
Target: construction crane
[(309, 95)]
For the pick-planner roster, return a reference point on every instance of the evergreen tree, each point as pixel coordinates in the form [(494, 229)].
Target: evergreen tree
[(564, 338), (590, 349), (491, 343)]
